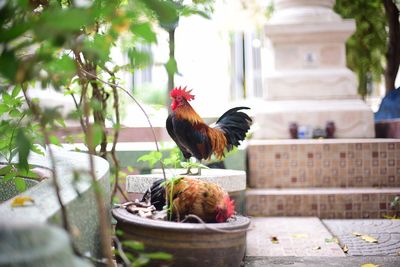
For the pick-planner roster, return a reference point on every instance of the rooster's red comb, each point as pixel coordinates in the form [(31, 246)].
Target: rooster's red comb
[(230, 206), (178, 91)]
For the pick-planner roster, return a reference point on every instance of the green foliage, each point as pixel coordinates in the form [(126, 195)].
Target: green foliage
[(67, 46), (366, 48), (170, 183), (135, 252), (151, 158)]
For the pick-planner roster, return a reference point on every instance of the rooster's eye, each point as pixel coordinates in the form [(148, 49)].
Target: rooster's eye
[(179, 98)]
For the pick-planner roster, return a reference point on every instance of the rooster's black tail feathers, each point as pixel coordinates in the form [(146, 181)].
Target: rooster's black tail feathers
[(235, 125), (156, 193)]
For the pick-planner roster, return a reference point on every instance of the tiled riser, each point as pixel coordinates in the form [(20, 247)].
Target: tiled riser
[(319, 164), (327, 206)]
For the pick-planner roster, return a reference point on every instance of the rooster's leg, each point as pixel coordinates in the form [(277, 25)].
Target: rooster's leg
[(198, 173), (188, 171)]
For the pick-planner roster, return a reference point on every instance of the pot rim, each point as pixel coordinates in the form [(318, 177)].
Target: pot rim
[(122, 215)]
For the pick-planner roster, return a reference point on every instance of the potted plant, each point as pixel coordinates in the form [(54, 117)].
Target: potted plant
[(66, 45), (193, 244)]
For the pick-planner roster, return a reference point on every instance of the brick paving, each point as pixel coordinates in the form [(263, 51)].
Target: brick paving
[(295, 237), (387, 232)]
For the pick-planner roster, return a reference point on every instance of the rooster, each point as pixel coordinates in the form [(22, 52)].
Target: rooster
[(191, 196), (195, 138)]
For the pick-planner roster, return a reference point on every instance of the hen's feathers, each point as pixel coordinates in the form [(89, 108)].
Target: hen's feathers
[(189, 196)]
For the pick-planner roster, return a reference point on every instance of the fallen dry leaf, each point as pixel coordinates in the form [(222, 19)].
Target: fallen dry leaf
[(369, 239), (369, 265), (21, 201), (299, 235), (333, 239), (345, 249), (356, 234), (274, 240)]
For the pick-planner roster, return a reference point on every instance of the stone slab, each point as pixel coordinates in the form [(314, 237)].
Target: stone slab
[(388, 261), (230, 180), (297, 237), (352, 117), (386, 231)]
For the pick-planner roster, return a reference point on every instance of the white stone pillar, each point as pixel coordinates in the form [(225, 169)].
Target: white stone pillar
[(306, 79)]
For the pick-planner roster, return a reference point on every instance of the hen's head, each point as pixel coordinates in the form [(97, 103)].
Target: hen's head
[(179, 97), (226, 210)]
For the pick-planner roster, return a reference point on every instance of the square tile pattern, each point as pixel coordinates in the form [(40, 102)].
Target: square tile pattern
[(338, 163), (331, 203)]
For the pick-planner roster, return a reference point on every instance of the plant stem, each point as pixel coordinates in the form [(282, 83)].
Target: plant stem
[(140, 106), (116, 134), (12, 137), (105, 235)]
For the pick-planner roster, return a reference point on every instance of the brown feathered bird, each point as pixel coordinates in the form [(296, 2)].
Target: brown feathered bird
[(194, 137), (192, 196)]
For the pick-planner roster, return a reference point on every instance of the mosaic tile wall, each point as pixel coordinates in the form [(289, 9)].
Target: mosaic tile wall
[(326, 206), (329, 163)]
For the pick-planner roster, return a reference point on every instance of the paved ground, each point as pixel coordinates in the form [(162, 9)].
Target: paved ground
[(386, 232), (291, 237), (389, 261), (312, 242)]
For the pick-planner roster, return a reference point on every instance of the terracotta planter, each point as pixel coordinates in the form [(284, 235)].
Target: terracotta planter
[(191, 244)]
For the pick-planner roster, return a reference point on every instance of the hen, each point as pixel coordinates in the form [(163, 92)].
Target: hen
[(192, 196), (194, 137)]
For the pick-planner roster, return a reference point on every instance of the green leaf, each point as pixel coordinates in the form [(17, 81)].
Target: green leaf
[(61, 20), (7, 99), (144, 31), (152, 158), (28, 173), (192, 10), (5, 170), (98, 48), (9, 176), (159, 256), (54, 140), (23, 148), (171, 66), (3, 109), (133, 245), (15, 113), (119, 232), (20, 184), (166, 12), (97, 135), (8, 65), (16, 91), (15, 31)]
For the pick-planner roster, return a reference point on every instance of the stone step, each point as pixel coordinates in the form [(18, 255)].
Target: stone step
[(294, 163), (326, 203)]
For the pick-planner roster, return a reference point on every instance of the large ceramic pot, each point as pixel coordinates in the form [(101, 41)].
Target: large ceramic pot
[(191, 244)]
